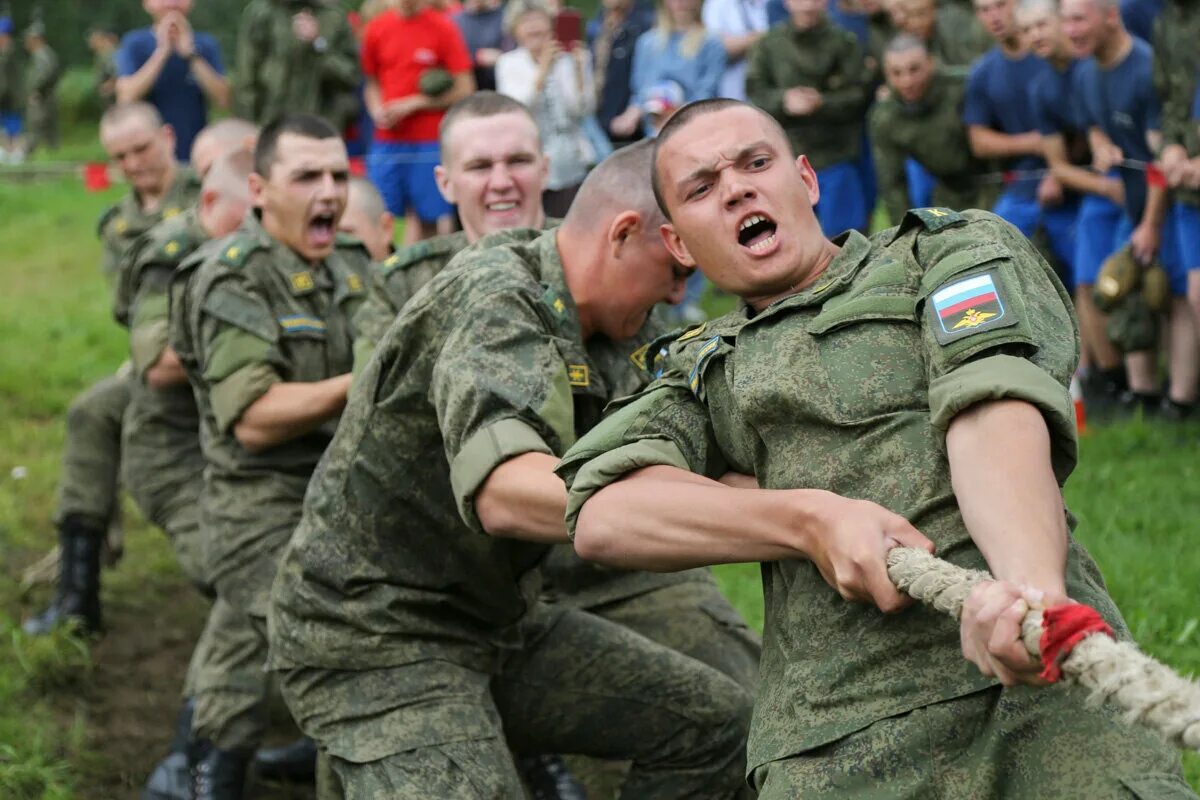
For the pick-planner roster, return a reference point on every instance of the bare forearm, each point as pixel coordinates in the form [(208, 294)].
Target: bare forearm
[(665, 519), (523, 499), (987, 143), (166, 372), (289, 410), (1010, 500), (213, 83), (373, 98), (1156, 206), (138, 85)]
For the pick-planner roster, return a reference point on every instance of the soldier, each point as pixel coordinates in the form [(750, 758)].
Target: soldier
[(262, 328), (10, 93), (367, 219), (133, 136), (1116, 90), (883, 369), (296, 56), (921, 119), (811, 77), (410, 644), (1063, 125), (493, 170), (951, 35), (1176, 68), (41, 91), (102, 41)]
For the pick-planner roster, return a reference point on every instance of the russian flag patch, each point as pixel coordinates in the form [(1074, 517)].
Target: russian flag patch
[(969, 305)]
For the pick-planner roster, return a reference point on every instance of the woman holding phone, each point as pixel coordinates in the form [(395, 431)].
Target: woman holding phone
[(554, 79)]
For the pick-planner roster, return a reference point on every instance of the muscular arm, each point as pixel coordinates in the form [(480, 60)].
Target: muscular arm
[(1076, 177), (1010, 501), (988, 143), (289, 410), (523, 499)]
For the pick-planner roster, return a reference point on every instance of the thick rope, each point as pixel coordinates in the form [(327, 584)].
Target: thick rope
[(1148, 692)]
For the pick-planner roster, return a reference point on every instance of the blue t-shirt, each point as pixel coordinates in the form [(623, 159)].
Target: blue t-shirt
[(1122, 103), (176, 94), (998, 97), (1196, 103), (1139, 16)]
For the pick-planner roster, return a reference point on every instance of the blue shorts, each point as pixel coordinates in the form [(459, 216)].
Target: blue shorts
[(403, 172), (1171, 252), (866, 174), (842, 205), (1101, 230), (11, 121), (1187, 231), (1059, 222)]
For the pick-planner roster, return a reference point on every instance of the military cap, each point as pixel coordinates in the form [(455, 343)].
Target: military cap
[(1119, 275), (435, 82)]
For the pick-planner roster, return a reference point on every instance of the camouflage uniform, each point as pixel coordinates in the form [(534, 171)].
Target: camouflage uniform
[(828, 59), (849, 386), (411, 644), (278, 73), (685, 610), (92, 453), (929, 131), (247, 313), (958, 38), (104, 69), (42, 72), (1176, 67)]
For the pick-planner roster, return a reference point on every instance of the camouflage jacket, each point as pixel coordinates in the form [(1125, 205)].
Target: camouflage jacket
[(162, 424), (826, 58), (1176, 67), (930, 132), (247, 313), (122, 226), (277, 72), (42, 72), (849, 386), (958, 38), (487, 362)]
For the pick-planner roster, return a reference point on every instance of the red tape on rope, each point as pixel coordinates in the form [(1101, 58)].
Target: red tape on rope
[(1063, 627)]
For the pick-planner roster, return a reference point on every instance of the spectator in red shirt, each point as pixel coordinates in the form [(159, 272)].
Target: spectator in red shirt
[(399, 46)]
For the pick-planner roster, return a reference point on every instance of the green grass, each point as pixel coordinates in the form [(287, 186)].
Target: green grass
[(1136, 492)]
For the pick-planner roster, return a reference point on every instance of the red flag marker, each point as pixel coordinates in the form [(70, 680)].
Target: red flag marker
[(95, 176)]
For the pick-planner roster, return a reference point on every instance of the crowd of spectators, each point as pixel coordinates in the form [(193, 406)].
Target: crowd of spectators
[(1049, 115)]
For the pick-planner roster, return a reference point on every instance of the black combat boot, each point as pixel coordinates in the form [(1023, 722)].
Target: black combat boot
[(217, 774), (549, 779), (295, 762), (170, 779), (77, 597)]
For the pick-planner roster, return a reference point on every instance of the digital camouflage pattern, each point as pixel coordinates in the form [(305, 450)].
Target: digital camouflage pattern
[(247, 313), (930, 132), (957, 39), (91, 462), (162, 464), (437, 729), (1176, 67), (826, 58), (278, 73), (42, 72), (849, 386), (412, 629), (122, 225), (104, 69)]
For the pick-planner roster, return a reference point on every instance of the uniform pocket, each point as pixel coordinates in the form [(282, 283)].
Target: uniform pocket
[(1159, 786)]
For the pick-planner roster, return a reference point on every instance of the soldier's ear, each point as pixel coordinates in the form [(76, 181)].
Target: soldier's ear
[(258, 185), (675, 245), (443, 184), (809, 177), (622, 227)]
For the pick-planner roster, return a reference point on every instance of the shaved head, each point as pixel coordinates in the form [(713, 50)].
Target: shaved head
[(221, 138), (230, 174), (364, 197), (619, 183), (366, 218), (141, 114)]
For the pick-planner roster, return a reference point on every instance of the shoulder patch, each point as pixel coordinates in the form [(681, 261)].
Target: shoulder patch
[(578, 375), (934, 219), (296, 323), (638, 357), (238, 250), (302, 282), (969, 305), (554, 301), (705, 353)]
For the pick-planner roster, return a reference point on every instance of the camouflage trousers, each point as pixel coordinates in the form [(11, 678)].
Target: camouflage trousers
[(999, 743), (41, 125), (580, 685), (92, 451)]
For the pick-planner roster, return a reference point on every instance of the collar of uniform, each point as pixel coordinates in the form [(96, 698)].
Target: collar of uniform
[(816, 33), (836, 277), (549, 269), (284, 259)]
